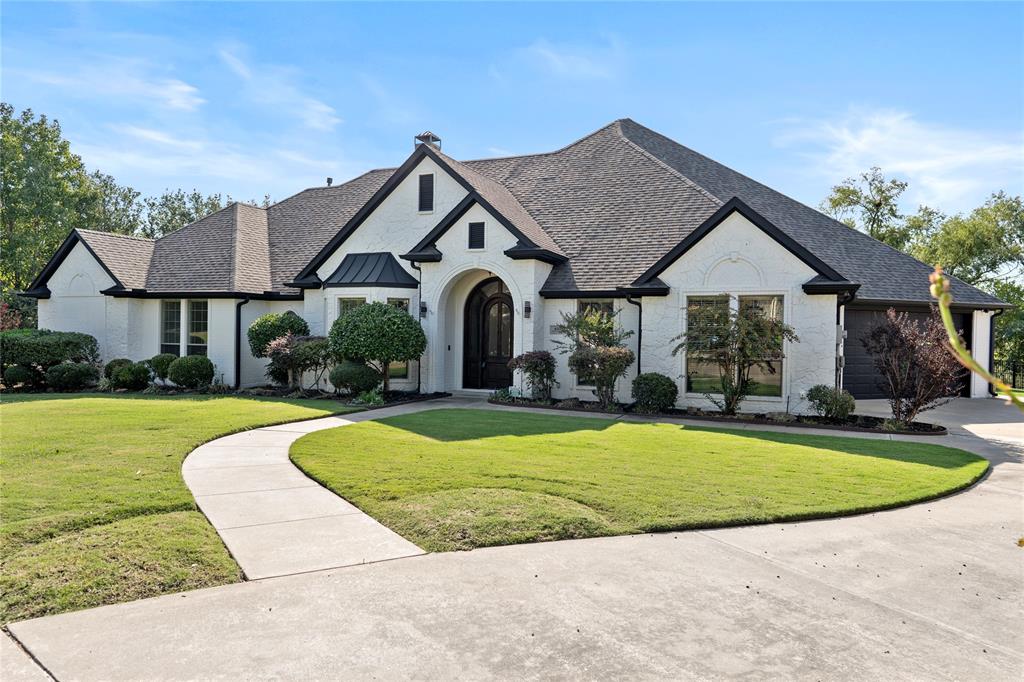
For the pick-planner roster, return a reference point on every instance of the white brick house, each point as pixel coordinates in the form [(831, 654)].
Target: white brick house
[(488, 254)]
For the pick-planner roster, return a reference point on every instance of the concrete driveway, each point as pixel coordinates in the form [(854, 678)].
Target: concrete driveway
[(932, 591)]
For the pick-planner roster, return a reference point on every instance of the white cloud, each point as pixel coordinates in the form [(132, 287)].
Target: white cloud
[(275, 86), (124, 79), (604, 60), (952, 169)]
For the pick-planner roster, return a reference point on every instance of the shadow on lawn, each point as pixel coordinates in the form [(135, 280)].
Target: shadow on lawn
[(912, 452), (457, 424)]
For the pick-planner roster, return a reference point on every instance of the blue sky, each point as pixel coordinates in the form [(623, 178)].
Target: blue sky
[(263, 98)]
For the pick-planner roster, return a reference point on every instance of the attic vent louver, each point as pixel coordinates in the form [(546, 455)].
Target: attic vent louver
[(427, 138)]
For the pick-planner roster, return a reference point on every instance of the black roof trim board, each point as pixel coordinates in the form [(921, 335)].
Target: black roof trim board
[(822, 285), (143, 293), (39, 283), (898, 304), (378, 269), (523, 252), (736, 205)]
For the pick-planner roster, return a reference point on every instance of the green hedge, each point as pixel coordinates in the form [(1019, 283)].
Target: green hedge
[(192, 371), (134, 376), (114, 365), (41, 349), (355, 377), (72, 376)]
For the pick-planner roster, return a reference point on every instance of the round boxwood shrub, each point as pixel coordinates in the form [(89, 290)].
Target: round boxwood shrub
[(72, 376), (16, 374), (654, 392), (114, 365), (354, 377), (160, 364), (266, 328), (831, 402), (192, 371), (134, 376)]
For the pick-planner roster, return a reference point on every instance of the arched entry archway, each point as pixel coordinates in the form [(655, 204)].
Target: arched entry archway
[(488, 336)]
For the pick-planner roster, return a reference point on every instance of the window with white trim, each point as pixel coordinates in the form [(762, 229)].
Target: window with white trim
[(766, 378), (170, 327), (198, 327), (348, 304)]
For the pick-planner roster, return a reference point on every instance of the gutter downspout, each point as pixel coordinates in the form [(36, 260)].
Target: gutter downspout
[(992, 346), (238, 342), (639, 332), (419, 302)]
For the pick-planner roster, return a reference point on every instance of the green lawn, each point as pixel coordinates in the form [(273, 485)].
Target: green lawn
[(458, 479), (94, 509)]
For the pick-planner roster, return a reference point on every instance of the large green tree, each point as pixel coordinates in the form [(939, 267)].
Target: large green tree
[(45, 191), (870, 203), (174, 209)]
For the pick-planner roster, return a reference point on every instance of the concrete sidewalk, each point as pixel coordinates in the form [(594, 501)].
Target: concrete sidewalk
[(273, 518)]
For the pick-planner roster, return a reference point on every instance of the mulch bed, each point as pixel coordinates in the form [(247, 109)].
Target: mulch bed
[(857, 423)]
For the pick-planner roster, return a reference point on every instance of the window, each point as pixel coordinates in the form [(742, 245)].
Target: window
[(426, 193), (198, 324), (703, 376), (765, 380), (170, 327), (606, 306), (399, 370), (347, 304), (476, 235)]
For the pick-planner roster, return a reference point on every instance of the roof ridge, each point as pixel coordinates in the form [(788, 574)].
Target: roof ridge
[(196, 221), (115, 234), (670, 169), (549, 153)]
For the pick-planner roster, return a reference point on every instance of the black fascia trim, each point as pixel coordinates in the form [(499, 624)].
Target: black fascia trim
[(522, 252), (576, 293), (728, 208), (957, 306), (365, 285), (143, 293), (653, 288), (378, 197), (39, 283), (310, 283), (38, 292), (431, 255), (825, 287)]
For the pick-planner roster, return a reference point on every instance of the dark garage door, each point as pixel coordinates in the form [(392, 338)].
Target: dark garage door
[(859, 375)]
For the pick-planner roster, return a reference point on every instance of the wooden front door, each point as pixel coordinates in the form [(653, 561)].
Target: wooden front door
[(487, 346)]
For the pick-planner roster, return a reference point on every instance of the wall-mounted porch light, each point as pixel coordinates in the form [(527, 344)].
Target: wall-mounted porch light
[(527, 309), (423, 309)]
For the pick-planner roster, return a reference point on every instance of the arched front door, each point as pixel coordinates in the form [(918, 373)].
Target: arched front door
[(487, 346)]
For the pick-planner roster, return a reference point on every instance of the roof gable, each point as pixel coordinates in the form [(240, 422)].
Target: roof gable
[(124, 258)]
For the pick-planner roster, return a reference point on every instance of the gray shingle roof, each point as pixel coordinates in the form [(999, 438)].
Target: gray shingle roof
[(613, 202), (128, 258)]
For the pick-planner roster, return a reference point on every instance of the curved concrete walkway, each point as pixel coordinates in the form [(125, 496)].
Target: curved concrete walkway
[(275, 520)]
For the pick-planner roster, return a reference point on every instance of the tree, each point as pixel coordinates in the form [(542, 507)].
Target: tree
[(917, 371), (870, 203), (296, 355), (45, 191), (984, 247), (266, 328), (117, 208), (174, 209), (594, 344), (379, 334), (539, 368), (1010, 325), (736, 340)]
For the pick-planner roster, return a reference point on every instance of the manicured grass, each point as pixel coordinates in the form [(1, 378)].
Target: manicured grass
[(94, 509), (458, 479)]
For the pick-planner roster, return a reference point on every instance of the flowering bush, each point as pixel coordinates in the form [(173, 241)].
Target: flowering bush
[(539, 368)]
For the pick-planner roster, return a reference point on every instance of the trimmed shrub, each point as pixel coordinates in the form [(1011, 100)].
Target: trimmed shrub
[(160, 364), (17, 374), (266, 328), (654, 392), (191, 371), (378, 333), (72, 376), (41, 349), (277, 374), (370, 398), (134, 376), (831, 402), (114, 365), (539, 368), (354, 377)]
